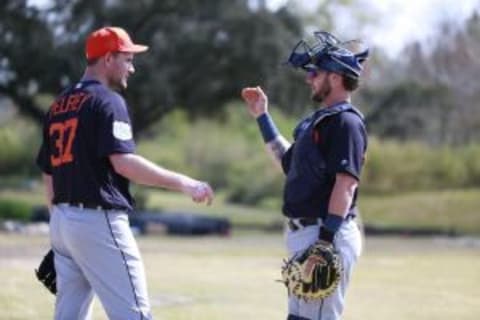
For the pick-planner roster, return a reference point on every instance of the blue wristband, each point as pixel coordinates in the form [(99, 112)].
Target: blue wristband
[(267, 127), (330, 226), (332, 222)]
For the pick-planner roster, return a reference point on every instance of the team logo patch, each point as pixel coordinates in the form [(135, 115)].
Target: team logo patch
[(122, 130)]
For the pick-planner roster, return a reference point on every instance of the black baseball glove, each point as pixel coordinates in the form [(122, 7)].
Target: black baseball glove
[(46, 273), (314, 274)]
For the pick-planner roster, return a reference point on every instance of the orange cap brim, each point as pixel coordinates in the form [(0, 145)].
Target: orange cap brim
[(134, 48)]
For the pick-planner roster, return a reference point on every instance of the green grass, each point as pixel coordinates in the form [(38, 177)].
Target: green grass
[(241, 216), (234, 278), (450, 210), (402, 278), (30, 197)]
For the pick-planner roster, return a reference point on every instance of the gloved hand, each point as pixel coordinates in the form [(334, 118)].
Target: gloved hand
[(46, 273), (315, 273)]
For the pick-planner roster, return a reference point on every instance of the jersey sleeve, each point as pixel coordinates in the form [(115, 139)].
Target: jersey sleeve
[(347, 144), (43, 156), (115, 129)]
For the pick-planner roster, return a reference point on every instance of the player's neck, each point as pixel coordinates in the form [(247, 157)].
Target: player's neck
[(336, 97), (93, 74)]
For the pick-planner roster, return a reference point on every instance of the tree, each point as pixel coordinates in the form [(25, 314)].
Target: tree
[(432, 95), (201, 52), (453, 65), (410, 110)]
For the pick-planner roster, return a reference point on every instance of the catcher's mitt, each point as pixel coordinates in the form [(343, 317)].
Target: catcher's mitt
[(46, 272), (314, 274)]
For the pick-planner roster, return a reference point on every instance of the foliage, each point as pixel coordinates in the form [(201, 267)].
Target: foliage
[(231, 155), (201, 52), (396, 113), (14, 210), (431, 94), (228, 154), (399, 167), (421, 111), (447, 211), (19, 140), (450, 210)]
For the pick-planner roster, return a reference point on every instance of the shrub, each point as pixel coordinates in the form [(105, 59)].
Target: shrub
[(14, 210), (471, 162), (20, 140), (409, 166), (230, 154)]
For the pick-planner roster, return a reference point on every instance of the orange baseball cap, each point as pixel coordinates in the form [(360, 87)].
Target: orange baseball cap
[(110, 39)]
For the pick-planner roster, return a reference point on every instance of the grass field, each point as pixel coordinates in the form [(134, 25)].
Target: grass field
[(456, 211), (234, 278)]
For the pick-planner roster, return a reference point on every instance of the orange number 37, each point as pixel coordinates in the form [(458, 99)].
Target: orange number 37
[(63, 134)]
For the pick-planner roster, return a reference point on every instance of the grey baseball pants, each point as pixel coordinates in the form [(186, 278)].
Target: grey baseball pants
[(96, 253)]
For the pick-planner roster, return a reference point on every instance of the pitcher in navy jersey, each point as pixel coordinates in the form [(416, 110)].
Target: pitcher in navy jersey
[(88, 159)]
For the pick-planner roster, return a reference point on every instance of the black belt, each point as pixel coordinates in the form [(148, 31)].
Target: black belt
[(298, 223), (84, 205)]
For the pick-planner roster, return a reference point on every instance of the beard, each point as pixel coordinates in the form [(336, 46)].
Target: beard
[(323, 92)]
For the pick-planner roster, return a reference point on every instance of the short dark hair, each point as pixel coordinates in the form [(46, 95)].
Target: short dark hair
[(350, 84), (93, 61)]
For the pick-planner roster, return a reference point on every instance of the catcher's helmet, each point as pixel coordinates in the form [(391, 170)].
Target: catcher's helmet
[(330, 54)]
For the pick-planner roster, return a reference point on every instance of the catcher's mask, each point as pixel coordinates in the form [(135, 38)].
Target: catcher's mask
[(328, 53)]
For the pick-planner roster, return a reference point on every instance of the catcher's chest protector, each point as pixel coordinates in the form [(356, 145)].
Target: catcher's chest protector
[(307, 188)]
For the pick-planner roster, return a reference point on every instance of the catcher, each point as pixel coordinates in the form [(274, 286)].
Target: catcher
[(322, 168)]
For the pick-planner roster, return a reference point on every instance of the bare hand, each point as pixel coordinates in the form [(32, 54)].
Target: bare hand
[(256, 100), (201, 192)]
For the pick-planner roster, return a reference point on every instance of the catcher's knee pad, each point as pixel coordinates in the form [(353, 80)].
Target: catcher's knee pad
[(292, 317)]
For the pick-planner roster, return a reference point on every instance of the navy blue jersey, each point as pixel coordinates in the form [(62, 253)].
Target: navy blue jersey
[(330, 141), (84, 126), (343, 139)]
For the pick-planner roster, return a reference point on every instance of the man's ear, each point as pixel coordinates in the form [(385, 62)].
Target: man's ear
[(335, 79), (108, 58)]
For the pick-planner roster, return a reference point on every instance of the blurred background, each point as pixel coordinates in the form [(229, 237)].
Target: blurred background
[(420, 97)]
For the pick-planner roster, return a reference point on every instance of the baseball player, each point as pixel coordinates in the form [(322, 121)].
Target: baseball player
[(322, 165), (88, 158)]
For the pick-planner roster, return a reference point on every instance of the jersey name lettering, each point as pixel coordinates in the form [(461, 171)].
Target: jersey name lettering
[(69, 103)]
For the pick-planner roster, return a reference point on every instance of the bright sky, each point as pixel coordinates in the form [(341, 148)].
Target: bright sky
[(396, 22)]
